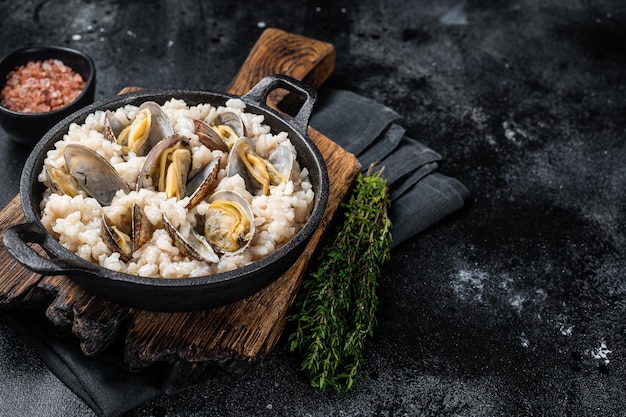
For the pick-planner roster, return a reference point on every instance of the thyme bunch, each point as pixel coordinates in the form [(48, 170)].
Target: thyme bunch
[(336, 309)]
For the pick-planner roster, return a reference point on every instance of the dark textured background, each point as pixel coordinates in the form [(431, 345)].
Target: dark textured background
[(513, 306)]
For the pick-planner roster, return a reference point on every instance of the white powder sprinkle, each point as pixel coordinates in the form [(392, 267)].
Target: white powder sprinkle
[(517, 302), (601, 352), (524, 340), (566, 330), (468, 284)]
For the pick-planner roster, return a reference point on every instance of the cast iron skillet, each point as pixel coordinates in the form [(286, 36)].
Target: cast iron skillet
[(162, 294)]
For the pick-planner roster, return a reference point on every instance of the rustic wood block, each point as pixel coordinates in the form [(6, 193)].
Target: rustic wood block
[(17, 281), (280, 52), (93, 321), (231, 337)]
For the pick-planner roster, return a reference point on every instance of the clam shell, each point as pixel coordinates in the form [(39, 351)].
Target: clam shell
[(160, 127), (193, 246), (61, 182), (209, 137), (215, 228), (127, 240), (236, 166), (112, 126), (150, 166), (94, 174), (257, 172), (232, 119), (116, 240), (203, 183)]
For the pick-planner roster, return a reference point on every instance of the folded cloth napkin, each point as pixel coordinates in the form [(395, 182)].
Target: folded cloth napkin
[(101, 381), (420, 197)]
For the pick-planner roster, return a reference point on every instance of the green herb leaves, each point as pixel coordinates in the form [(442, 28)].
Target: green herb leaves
[(336, 310)]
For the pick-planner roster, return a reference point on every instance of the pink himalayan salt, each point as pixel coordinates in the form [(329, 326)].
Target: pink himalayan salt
[(41, 86)]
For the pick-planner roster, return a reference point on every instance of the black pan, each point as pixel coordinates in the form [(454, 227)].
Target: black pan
[(180, 294)]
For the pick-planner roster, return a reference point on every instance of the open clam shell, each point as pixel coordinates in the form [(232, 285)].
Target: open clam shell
[(94, 174), (160, 127), (209, 136), (164, 169), (148, 128), (116, 239), (112, 126), (229, 222), (232, 120), (203, 183), (259, 173), (126, 239), (193, 245), (61, 182)]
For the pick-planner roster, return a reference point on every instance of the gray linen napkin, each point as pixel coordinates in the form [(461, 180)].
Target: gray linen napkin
[(102, 382), (420, 195)]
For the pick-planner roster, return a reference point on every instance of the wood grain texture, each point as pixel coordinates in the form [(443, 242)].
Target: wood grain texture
[(280, 52), (16, 281), (232, 337)]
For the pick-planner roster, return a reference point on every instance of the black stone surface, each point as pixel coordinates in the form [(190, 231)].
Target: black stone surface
[(513, 306)]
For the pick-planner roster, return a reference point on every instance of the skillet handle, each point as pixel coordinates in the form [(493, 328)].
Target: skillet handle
[(15, 241), (259, 93)]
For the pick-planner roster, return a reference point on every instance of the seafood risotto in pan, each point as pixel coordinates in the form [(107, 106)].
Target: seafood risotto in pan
[(174, 190)]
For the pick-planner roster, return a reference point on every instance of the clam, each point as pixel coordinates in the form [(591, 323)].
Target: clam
[(229, 222), (134, 137), (259, 173), (141, 229), (222, 132), (227, 227), (167, 166), (60, 182), (161, 126), (232, 120), (203, 183), (228, 135), (209, 137), (193, 245), (126, 239), (148, 128), (112, 126), (116, 239), (93, 174), (282, 160)]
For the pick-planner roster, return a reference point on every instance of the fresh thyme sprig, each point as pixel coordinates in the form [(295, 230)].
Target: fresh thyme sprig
[(336, 309)]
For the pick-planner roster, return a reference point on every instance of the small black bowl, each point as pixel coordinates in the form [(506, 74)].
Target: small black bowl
[(29, 128)]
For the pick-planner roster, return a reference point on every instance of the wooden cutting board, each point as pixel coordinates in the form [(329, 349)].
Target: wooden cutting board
[(232, 337)]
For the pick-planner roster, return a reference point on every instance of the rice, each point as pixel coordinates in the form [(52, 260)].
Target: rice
[(76, 220)]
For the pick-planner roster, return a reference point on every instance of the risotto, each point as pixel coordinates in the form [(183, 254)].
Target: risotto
[(206, 196)]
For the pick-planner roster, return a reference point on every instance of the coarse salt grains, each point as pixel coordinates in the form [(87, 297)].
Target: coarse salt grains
[(41, 86)]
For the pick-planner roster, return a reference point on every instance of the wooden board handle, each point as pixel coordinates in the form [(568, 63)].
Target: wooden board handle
[(280, 52)]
